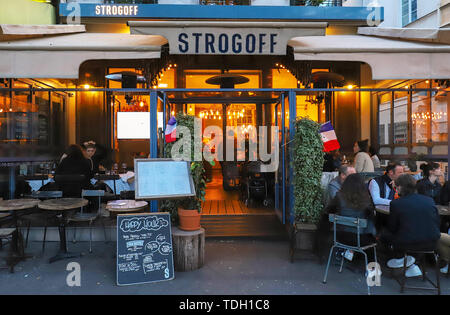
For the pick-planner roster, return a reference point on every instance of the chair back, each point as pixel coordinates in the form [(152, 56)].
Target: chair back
[(93, 193), (352, 222), (47, 194), (70, 184)]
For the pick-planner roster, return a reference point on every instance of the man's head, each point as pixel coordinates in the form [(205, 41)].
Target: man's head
[(394, 170), (405, 185), (90, 148), (344, 171)]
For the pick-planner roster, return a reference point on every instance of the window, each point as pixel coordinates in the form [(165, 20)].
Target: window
[(384, 125), (409, 11)]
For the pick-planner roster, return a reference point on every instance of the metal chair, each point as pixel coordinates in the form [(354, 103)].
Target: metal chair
[(357, 224), (8, 234), (42, 195), (88, 217), (421, 263)]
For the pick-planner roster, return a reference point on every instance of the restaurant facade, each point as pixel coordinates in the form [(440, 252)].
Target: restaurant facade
[(58, 83)]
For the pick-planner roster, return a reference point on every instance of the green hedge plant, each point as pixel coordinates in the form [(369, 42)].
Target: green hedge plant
[(197, 172), (307, 162)]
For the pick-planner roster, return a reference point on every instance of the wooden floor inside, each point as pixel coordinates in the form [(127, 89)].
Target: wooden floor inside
[(224, 214), (231, 207)]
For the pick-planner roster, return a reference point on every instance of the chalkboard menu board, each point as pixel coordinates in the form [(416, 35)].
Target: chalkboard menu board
[(162, 178), (144, 248)]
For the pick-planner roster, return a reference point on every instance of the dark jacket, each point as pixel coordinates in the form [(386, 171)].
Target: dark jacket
[(413, 219), (340, 207), (331, 164), (425, 187), (69, 166), (445, 193)]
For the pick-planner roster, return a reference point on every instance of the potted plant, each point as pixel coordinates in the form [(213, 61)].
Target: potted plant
[(186, 212), (307, 163), (189, 209)]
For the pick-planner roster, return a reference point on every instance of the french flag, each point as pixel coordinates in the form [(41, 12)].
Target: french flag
[(171, 130), (329, 138)]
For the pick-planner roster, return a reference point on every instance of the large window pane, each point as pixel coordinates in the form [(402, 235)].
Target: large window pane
[(384, 125), (400, 117), (420, 112), (439, 132)]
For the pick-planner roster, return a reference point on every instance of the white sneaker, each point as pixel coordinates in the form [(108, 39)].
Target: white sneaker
[(413, 271), (444, 269), (398, 263)]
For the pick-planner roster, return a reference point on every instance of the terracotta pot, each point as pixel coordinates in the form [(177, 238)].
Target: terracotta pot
[(189, 219)]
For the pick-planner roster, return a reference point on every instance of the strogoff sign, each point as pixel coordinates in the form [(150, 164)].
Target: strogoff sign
[(227, 38)]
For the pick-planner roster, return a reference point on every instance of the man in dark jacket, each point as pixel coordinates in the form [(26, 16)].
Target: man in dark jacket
[(413, 221)]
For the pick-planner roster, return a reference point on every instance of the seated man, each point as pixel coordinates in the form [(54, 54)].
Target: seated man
[(335, 185), (381, 188), (413, 222)]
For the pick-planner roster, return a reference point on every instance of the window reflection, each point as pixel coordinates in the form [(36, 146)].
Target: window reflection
[(384, 125), (400, 117)]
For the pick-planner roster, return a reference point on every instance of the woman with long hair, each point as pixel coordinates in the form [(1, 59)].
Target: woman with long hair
[(353, 200), (430, 185)]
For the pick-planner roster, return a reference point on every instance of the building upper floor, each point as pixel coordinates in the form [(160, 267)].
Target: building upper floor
[(41, 12)]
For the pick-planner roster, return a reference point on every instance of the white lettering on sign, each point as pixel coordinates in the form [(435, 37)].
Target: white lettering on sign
[(116, 10), (227, 43)]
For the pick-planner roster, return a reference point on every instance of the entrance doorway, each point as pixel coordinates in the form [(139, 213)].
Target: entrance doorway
[(241, 191)]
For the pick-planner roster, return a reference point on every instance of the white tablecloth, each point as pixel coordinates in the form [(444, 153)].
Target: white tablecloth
[(121, 184)]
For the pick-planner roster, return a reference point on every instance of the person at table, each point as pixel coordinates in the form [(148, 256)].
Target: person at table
[(382, 187), (413, 221), (75, 163), (336, 184), (430, 185), (374, 156), (332, 161), (353, 200), (94, 159), (363, 163)]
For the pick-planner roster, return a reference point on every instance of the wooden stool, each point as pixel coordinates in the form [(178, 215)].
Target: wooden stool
[(188, 249)]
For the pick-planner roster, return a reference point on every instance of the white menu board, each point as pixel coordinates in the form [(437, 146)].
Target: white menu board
[(162, 178)]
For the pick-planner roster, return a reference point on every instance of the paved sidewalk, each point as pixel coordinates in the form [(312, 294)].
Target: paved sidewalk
[(232, 267)]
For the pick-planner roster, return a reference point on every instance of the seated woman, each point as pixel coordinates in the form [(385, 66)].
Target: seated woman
[(75, 164), (430, 185), (353, 200)]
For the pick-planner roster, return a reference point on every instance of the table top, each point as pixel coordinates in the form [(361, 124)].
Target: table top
[(18, 204), (125, 205), (62, 204), (443, 210)]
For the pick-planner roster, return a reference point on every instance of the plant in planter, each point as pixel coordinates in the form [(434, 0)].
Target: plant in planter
[(307, 163), (187, 210)]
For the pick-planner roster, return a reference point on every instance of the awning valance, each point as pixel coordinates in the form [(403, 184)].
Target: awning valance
[(389, 59), (61, 56)]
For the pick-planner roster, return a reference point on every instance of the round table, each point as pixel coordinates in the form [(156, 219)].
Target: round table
[(13, 206), (125, 206), (60, 207)]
